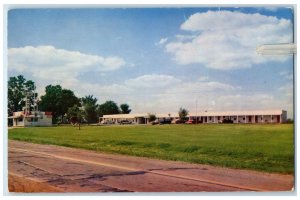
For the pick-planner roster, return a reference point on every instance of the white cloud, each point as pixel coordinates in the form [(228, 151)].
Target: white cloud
[(169, 97), (165, 93), (203, 78), (152, 81), (287, 75), (155, 93), (200, 87), (271, 8), (161, 41), (287, 90), (50, 63), (228, 40), (183, 38)]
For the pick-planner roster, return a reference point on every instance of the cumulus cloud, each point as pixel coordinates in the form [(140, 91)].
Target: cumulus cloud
[(161, 41), (271, 8), (165, 93), (50, 63), (152, 81), (183, 38), (227, 40), (287, 75), (287, 90)]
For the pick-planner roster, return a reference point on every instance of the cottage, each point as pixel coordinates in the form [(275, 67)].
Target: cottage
[(29, 119)]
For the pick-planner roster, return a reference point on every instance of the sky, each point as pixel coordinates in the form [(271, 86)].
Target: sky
[(157, 59)]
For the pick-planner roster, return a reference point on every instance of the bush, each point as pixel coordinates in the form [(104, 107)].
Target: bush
[(289, 121)]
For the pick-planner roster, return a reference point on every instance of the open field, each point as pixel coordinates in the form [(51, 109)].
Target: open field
[(267, 148)]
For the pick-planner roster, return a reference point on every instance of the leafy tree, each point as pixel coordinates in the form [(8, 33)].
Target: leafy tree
[(89, 104), (58, 101), (183, 113), (89, 100), (108, 108), (75, 112), (17, 86), (125, 108), (152, 117)]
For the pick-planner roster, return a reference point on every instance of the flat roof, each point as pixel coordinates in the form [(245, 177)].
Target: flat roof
[(201, 113), (233, 113), (135, 115)]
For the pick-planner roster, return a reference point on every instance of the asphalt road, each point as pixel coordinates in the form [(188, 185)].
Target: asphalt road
[(76, 170)]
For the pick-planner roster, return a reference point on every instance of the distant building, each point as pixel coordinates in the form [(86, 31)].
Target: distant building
[(138, 118), (246, 117), (29, 119), (249, 117)]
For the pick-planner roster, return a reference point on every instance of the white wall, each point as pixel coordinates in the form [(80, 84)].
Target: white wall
[(45, 121), (16, 122)]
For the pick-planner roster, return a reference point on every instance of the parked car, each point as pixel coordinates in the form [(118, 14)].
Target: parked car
[(125, 122), (177, 121), (165, 121), (155, 122), (190, 121), (227, 121), (107, 122)]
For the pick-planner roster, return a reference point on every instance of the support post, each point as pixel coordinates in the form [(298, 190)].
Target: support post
[(271, 118)]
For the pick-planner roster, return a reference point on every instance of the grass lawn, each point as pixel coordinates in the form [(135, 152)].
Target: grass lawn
[(267, 148)]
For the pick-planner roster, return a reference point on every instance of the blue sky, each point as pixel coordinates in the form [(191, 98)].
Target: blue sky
[(157, 59)]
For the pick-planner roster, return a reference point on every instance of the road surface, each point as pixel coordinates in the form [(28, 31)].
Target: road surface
[(75, 170)]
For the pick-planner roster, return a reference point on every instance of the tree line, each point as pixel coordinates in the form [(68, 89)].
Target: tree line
[(61, 102)]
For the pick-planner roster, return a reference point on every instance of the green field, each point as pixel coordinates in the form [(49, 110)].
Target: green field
[(267, 148)]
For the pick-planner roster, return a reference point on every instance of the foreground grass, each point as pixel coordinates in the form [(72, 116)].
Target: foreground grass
[(267, 148)]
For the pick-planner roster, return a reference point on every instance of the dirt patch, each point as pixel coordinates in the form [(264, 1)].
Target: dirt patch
[(21, 184)]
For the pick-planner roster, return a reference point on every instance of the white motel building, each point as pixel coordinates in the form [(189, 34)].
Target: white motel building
[(246, 117)]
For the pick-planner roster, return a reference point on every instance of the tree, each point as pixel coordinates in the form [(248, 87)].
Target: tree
[(152, 117), (58, 101), (89, 100), (75, 114), (89, 104), (125, 108), (183, 113), (17, 86), (108, 108)]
